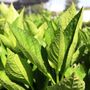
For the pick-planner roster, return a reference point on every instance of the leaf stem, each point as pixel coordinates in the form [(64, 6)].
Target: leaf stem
[(50, 77)]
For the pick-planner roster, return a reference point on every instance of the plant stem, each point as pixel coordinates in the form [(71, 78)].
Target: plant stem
[(57, 77)]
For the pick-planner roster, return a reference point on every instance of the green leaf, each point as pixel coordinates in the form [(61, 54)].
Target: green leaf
[(84, 37), (56, 51), (20, 20), (79, 70), (78, 53), (41, 31), (18, 68), (3, 9), (6, 37), (7, 83), (71, 36), (66, 17), (40, 34), (3, 54), (32, 27), (12, 14), (57, 48), (49, 34), (71, 83), (31, 48)]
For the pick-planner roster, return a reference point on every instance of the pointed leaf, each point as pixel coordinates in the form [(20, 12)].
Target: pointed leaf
[(7, 83), (3, 9), (12, 14), (31, 48), (8, 38), (57, 48), (67, 16), (32, 27), (71, 36), (40, 34), (18, 68), (20, 20)]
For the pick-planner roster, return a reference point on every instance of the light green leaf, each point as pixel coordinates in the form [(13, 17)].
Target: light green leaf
[(66, 17), (7, 83), (20, 20), (3, 54), (9, 13), (12, 14), (18, 68), (3, 9), (31, 48), (40, 34), (8, 38), (32, 27), (41, 31)]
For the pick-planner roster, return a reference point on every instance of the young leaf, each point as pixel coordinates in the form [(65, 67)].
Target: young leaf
[(3, 9), (18, 68), (12, 14), (7, 83), (20, 20)]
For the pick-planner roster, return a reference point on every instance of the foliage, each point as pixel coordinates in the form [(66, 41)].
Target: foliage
[(41, 52)]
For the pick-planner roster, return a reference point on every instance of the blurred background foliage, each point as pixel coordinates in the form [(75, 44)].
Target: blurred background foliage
[(38, 6)]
